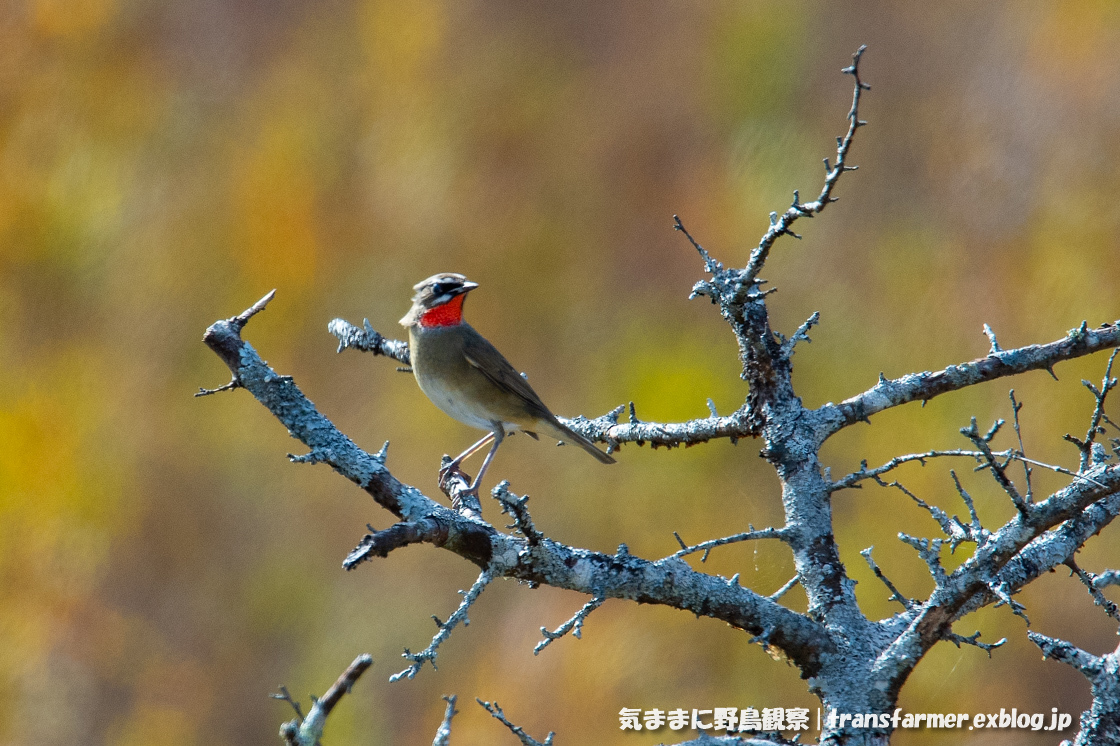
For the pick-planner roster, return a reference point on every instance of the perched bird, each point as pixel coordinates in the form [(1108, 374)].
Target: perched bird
[(465, 376)]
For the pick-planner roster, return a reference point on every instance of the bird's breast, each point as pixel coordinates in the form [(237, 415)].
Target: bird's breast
[(450, 382)]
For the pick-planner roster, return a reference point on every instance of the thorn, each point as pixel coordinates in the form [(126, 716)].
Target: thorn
[(712, 407), (633, 415)]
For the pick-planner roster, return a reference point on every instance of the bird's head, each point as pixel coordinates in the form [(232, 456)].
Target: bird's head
[(438, 300)]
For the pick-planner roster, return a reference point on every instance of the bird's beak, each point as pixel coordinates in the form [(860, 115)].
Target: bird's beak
[(467, 287)]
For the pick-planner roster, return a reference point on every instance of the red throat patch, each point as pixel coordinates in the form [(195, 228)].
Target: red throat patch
[(449, 314)]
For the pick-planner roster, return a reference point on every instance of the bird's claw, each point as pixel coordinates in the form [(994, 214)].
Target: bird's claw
[(450, 473)]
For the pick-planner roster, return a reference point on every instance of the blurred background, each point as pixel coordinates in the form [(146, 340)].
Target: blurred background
[(163, 567)]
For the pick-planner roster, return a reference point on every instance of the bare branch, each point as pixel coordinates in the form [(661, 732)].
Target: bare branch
[(1060, 650), (524, 737), (368, 340), (1101, 724), (954, 530), (573, 625), (307, 731), (930, 551), (429, 653), (443, 734), (780, 226), (607, 429), (802, 334), (895, 595), (1107, 578), (1089, 580), (380, 543), (992, 338), (974, 640), (1107, 384), (989, 460), (853, 479), (789, 584), (707, 546), (670, 582), (925, 386), (1015, 407), (515, 506), (711, 265)]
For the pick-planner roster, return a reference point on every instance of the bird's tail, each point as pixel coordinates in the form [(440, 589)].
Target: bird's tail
[(568, 435)]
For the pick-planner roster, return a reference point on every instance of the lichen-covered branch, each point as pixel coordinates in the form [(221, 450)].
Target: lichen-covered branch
[(416, 660), (443, 733), (925, 386), (780, 226), (526, 740), (1101, 723), (669, 581)]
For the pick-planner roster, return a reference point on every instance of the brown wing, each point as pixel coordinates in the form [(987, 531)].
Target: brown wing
[(483, 356), (487, 360)]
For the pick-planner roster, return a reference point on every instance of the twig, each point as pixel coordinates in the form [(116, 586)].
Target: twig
[(1060, 650), (237, 323), (711, 265), (429, 653), (1089, 580), (1107, 384), (802, 334), (1107, 578), (368, 340), (307, 731), (853, 479), (784, 589), (954, 530), (907, 603), (780, 226), (515, 506), (930, 551), (1015, 407), (525, 738), (443, 734), (573, 625), (999, 473), (974, 640), (707, 546)]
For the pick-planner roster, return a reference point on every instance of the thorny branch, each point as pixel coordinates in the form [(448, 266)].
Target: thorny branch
[(780, 226), (834, 644), (669, 581)]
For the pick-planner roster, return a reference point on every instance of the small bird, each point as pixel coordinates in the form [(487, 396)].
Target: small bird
[(465, 376)]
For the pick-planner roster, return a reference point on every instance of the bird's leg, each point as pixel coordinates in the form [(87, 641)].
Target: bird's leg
[(499, 435), (454, 464)]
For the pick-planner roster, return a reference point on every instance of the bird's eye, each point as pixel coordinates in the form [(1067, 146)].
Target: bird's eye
[(438, 289)]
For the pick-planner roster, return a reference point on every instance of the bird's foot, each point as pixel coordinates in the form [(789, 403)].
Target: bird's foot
[(457, 486), (450, 475)]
